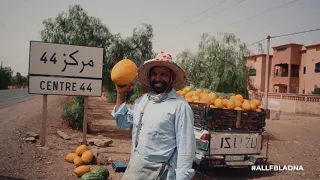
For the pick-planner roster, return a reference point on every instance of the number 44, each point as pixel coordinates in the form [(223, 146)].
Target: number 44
[(88, 87)]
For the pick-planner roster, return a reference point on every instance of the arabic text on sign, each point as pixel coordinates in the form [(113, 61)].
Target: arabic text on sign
[(73, 62)]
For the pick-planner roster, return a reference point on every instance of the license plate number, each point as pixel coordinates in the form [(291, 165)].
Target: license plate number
[(224, 143), (234, 158)]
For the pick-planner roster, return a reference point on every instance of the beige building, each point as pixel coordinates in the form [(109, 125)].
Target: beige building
[(293, 68)]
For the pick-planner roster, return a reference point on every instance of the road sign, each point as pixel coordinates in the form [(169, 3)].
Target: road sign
[(62, 69), (65, 60), (64, 86)]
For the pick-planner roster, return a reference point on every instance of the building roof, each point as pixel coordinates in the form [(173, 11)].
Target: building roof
[(258, 55), (286, 45), (312, 46)]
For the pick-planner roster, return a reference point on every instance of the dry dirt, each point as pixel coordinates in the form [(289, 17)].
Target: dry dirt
[(294, 141)]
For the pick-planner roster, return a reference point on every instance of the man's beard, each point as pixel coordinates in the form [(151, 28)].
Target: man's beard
[(161, 89)]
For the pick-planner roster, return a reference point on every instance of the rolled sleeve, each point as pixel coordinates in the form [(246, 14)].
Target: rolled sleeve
[(186, 143), (123, 117)]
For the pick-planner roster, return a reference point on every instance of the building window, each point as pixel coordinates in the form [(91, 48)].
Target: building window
[(304, 70), (303, 91), (317, 67), (252, 72)]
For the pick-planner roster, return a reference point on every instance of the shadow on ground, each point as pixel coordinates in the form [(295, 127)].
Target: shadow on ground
[(9, 178)]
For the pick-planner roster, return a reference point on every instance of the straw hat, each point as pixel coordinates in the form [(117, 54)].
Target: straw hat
[(165, 60)]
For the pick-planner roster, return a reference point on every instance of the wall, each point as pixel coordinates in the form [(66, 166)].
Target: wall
[(257, 80), (293, 103), (312, 78), (301, 75)]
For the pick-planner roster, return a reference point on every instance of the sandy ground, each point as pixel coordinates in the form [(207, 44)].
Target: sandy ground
[(294, 141)]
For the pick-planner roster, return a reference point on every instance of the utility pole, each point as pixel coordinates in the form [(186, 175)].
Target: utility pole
[(266, 82)]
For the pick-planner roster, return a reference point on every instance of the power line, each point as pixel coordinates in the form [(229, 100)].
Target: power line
[(261, 13), (283, 35), (257, 42), (211, 7), (224, 10), (290, 34)]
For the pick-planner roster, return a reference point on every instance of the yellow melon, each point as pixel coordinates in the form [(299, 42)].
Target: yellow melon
[(258, 110), (205, 99), (230, 104), (233, 97), (70, 157), (218, 103), (81, 170), (183, 93), (225, 101), (189, 99), (187, 89), (198, 92), (239, 97), (124, 72), (195, 98), (212, 97), (246, 101), (237, 103), (253, 107), (81, 149), (238, 108), (77, 161), (246, 106), (255, 102), (87, 157), (189, 95), (212, 106)]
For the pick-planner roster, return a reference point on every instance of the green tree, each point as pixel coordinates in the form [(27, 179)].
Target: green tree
[(5, 76), (138, 48), (218, 65), (78, 28), (19, 79)]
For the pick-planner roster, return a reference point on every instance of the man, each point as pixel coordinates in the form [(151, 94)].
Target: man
[(163, 139)]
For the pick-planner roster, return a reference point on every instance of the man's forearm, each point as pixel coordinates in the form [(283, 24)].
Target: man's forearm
[(120, 100)]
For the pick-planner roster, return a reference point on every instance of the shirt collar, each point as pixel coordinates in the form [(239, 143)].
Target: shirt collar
[(171, 95)]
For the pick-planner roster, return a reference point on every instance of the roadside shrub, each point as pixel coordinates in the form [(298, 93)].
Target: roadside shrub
[(111, 96), (73, 114)]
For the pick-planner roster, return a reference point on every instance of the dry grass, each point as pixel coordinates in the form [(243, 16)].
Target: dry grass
[(65, 100)]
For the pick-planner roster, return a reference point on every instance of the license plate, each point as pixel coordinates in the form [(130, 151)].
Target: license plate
[(234, 158), (235, 143)]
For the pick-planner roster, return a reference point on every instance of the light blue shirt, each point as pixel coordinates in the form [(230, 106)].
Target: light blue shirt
[(167, 124)]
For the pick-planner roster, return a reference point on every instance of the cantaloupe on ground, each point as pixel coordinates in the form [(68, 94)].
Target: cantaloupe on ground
[(81, 149), (87, 157), (77, 161), (124, 72), (70, 157), (81, 170)]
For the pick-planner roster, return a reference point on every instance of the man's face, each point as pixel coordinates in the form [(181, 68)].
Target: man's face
[(160, 78)]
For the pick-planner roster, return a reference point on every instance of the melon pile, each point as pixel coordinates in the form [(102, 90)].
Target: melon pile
[(81, 158), (220, 100)]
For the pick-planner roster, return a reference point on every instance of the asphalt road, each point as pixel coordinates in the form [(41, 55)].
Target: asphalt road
[(11, 97)]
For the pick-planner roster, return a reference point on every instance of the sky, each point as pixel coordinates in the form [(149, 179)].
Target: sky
[(177, 24)]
